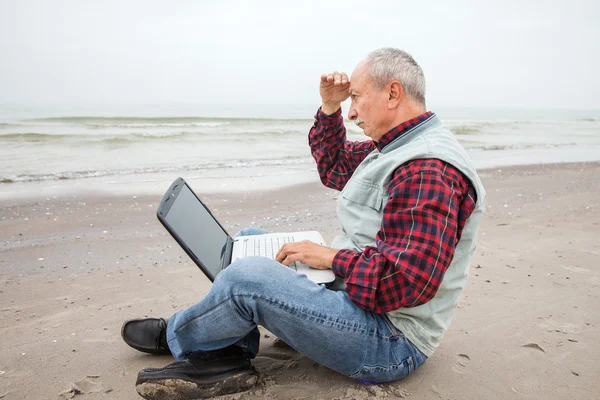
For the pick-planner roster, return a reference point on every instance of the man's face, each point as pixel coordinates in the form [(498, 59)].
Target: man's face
[(369, 107)]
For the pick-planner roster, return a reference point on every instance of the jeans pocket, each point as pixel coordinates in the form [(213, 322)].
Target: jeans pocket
[(394, 333), (380, 374)]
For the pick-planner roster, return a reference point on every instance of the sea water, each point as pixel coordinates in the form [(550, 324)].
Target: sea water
[(243, 148)]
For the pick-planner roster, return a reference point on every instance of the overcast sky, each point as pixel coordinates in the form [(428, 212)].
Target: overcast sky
[(474, 53)]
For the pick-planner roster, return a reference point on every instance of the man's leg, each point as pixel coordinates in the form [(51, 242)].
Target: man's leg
[(323, 324)]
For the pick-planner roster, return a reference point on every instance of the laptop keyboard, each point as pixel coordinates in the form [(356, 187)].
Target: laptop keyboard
[(268, 247)]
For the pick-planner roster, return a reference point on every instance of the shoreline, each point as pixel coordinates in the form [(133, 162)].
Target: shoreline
[(232, 180)]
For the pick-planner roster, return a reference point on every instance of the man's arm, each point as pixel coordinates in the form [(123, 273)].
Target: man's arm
[(429, 204), (336, 157)]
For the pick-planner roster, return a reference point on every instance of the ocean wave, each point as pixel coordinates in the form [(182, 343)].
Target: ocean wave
[(524, 146), (100, 138), (140, 136), (154, 121), (33, 137), (8, 125), (149, 170), (158, 125), (466, 130)]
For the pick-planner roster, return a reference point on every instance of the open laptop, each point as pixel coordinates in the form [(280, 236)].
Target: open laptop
[(209, 245)]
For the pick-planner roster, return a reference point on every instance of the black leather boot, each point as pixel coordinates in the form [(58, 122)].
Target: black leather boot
[(201, 375)]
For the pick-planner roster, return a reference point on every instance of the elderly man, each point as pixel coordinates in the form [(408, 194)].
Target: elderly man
[(409, 208)]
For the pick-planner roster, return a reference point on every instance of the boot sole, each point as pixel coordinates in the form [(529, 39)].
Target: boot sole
[(179, 389)]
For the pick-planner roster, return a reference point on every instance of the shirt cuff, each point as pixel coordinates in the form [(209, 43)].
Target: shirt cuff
[(342, 261), (324, 117)]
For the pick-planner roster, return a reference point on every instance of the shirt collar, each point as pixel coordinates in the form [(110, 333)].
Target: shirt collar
[(401, 129)]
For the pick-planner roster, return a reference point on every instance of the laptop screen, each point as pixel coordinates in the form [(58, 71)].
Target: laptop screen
[(201, 234)]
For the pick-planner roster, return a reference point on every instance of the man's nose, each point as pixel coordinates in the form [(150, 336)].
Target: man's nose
[(352, 114)]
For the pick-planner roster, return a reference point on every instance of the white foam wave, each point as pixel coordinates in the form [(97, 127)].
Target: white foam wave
[(148, 170), (158, 125)]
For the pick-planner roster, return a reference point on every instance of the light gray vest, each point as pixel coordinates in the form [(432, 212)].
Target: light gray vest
[(360, 211)]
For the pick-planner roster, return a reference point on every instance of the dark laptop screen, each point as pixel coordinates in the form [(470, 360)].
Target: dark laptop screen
[(198, 230)]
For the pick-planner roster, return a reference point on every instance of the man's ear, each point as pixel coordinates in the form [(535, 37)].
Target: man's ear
[(396, 93)]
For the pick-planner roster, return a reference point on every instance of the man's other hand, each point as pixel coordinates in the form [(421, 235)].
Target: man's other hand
[(334, 90), (307, 252)]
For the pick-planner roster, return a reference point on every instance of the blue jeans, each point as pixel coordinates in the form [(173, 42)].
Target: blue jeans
[(320, 323)]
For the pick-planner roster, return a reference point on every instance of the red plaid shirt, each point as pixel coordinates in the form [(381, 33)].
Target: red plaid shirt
[(429, 203)]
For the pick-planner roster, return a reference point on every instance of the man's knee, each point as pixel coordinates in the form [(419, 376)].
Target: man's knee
[(248, 270)]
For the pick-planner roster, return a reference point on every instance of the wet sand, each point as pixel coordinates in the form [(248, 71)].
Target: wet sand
[(74, 267)]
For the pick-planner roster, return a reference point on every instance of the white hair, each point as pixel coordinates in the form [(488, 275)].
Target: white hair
[(388, 64)]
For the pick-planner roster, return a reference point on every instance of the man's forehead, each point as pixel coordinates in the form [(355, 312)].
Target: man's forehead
[(358, 75), (357, 84)]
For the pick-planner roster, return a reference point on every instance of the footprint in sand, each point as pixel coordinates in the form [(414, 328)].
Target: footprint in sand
[(559, 326), (461, 363), (84, 386)]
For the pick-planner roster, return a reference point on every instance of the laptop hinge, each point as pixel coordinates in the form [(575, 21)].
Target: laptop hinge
[(225, 261)]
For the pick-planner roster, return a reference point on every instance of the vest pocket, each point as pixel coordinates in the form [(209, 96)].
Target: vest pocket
[(365, 194)]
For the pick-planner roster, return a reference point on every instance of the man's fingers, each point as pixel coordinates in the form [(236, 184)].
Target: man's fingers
[(307, 252), (279, 257), (340, 78), (281, 254), (298, 251), (337, 78), (290, 259), (285, 251)]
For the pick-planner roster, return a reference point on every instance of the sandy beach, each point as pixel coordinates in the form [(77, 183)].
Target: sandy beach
[(74, 266)]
